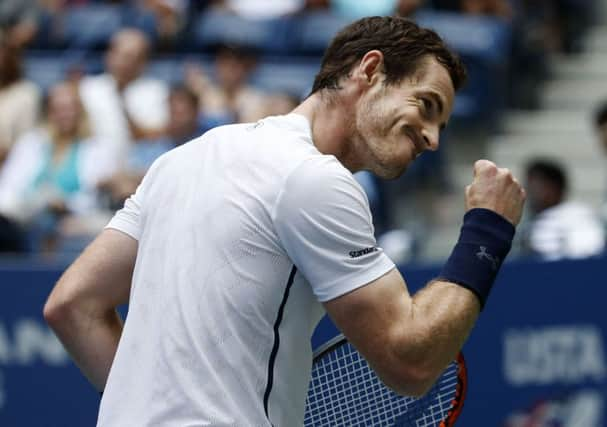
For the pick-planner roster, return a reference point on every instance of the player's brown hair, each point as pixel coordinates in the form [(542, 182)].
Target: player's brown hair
[(403, 43)]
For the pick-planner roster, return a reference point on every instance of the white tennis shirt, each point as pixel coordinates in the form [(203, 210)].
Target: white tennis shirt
[(242, 233)]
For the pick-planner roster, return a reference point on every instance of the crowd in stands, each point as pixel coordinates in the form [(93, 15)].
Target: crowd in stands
[(557, 227), (76, 139)]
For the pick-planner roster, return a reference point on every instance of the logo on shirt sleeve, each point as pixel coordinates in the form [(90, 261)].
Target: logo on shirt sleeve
[(356, 254)]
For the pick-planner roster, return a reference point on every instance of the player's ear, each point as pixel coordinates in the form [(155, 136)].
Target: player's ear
[(370, 69)]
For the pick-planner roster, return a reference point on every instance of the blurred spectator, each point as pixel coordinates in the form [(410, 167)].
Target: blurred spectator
[(231, 95), (260, 9), (356, 9), (19, 21), (122, 104), (496, 8), (12, 237), (184, 125), (559, 24), (558, 228), (407, 8), (52, 172), (600, 122), (277, 104), (19, 98), (170, 16), (316, 5)]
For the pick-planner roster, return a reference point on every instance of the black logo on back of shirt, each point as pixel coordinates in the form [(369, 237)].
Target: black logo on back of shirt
[(356, 254)]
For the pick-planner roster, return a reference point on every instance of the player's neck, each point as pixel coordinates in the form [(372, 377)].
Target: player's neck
[(331, 122)]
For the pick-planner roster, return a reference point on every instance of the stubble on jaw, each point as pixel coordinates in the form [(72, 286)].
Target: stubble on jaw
[(373, 130)]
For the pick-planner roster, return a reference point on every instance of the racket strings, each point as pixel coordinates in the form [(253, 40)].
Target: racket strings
[(345, 391)]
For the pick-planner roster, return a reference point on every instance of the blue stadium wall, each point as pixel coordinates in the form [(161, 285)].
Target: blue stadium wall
[(538, 349)]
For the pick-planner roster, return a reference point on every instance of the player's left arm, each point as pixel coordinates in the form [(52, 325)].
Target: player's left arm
[(81, 309)]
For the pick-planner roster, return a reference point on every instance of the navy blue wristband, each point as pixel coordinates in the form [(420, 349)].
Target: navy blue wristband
[(485, 240)]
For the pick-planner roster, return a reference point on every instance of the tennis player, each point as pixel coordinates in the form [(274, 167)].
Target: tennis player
[(236, 243)]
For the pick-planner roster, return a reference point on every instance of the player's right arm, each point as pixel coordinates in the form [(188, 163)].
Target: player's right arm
[(81, 309), (409, 340)]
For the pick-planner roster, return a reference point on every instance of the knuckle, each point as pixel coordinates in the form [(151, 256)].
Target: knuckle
[(506, 173), (483, 164)]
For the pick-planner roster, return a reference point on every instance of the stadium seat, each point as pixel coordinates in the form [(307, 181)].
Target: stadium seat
[(216, 27), (46, 68), (92, 26), (484, 37), (287, 74), (484, 44), (170, 68), (312, 32)]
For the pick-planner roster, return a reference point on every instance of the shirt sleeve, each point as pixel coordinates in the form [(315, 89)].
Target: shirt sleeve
[(128, 219), (323, 221)]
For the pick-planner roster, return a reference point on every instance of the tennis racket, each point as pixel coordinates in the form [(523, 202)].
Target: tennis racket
[(344, 391)]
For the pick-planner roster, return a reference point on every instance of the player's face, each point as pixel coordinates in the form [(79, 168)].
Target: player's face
[(396, 123)]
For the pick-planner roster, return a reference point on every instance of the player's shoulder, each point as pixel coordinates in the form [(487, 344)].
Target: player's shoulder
[(278, 142), (293, 148), (290, 137), (321, 168), (322, 181)]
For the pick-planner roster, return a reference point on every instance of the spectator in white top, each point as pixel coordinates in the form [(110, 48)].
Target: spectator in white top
[(52, 172), (559, 228), (19, 98), (122, 104)]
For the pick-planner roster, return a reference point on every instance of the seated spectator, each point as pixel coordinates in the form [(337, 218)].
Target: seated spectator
[(496, 8), (558, 228), (280, 103), (170, 17), (122, 104), (184, 125), (356, 9), (19, 21), (407, 8), (316, 5), (600, 122), (52, 172), (259, 9), (230, 95), (19, 98)]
